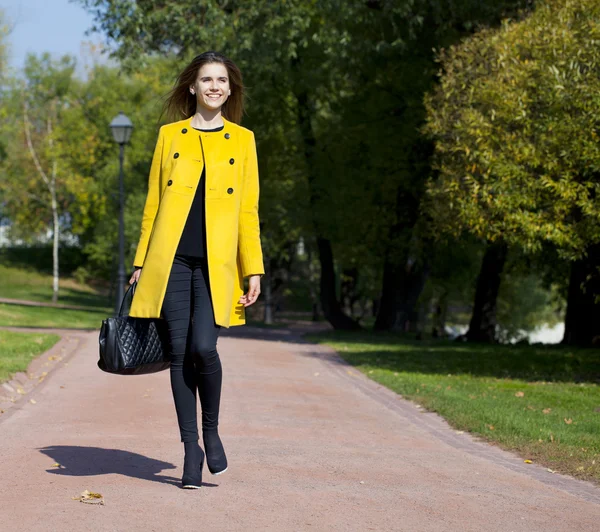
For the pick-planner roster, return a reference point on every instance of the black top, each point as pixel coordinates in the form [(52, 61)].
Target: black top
[(193, 238)]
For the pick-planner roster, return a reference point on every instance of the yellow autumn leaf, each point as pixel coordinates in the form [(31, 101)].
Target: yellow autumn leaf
[(528, 461), (568, 421), (519, 394)]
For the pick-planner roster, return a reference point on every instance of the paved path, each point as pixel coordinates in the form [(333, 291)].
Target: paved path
[(312, 445)]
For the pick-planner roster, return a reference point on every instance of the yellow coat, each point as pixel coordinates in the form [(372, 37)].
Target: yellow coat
[(231, 210)]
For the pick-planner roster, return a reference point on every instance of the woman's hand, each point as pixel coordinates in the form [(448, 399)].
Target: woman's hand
[(136, 275), (253, 291)]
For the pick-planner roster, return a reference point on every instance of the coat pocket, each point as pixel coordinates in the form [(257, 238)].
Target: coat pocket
[(180, 188)]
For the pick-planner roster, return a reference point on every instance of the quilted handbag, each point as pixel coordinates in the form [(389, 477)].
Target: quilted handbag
[(133, 346)]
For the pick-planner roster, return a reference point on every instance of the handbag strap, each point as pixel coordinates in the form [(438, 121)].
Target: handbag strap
[(128, 296)]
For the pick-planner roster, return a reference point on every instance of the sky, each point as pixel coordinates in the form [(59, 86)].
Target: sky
[(55, 26)]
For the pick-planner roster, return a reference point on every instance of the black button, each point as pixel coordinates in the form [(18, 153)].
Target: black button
[(184, 130), (169, 182), (231, 161), (175, 155), (229, 190), (227, 135)]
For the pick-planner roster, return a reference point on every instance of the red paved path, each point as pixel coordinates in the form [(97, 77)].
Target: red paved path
[(312, 445)]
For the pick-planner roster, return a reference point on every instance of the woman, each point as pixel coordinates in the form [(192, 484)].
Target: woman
[(199, 240)]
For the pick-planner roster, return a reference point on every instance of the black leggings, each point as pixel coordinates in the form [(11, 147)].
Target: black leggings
[(193, 334)]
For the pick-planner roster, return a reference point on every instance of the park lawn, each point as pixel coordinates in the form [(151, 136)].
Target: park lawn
[(18, 349), (541, 402), (27, 316), (30, 285)]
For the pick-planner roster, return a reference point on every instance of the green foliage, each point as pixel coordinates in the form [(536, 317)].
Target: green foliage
[(514, 120)]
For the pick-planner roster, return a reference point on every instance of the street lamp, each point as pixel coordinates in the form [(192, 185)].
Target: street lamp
[(121, 128)]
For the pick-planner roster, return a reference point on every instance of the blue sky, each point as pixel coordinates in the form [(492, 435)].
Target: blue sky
[(55, 26)]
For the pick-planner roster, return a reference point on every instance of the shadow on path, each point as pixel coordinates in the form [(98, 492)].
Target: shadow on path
[(88, 461)]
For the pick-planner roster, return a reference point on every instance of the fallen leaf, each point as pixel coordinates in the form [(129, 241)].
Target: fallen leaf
[(32, 401), (55, 464), (547, 410), (519, 394), (568, 421), (20, 390), (528, 461), (90, 497), (580, 468), (491, 427)]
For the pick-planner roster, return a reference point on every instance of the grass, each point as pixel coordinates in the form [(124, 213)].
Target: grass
[(26, 316), (542, 402), (18, 349), (20, 283)]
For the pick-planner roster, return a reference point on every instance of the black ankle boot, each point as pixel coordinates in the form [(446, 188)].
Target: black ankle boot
[(215, 454), (192, 465)]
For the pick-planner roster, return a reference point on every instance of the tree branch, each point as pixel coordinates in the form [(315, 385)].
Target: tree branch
[(30, 145)]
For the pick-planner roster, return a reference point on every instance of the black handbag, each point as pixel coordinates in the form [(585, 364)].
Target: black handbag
[(133, 346)]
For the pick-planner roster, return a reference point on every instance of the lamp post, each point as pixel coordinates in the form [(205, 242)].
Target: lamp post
[(121, 128)]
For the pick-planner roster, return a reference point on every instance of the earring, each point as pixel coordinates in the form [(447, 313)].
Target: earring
[(229, 93), (192, 92)]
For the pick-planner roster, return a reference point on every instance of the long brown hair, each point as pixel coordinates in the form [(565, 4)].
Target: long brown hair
[(180, 103)]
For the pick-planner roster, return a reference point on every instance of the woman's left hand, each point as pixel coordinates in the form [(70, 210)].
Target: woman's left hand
[(253, 291)]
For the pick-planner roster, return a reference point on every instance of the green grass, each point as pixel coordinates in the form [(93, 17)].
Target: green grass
[(20, 283), (18, 349), (541, 402), (26, 316)]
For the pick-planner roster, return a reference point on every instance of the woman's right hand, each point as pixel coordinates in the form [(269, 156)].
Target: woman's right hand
[(136, 275)]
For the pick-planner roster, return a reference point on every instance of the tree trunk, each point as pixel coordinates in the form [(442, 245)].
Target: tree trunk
[(55, 244), (408, 314), (582, 320), (329, 301), (348, 292), (482, 327), (438, 329), (386, 310), (268, 313), (314, 297)]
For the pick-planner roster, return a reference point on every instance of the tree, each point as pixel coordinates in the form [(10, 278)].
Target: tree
[(514, 120), (37, 186)]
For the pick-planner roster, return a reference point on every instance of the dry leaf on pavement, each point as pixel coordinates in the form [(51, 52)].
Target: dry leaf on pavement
[(90, 497)]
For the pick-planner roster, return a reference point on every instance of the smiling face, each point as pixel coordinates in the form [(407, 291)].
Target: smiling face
[(211, 86)]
